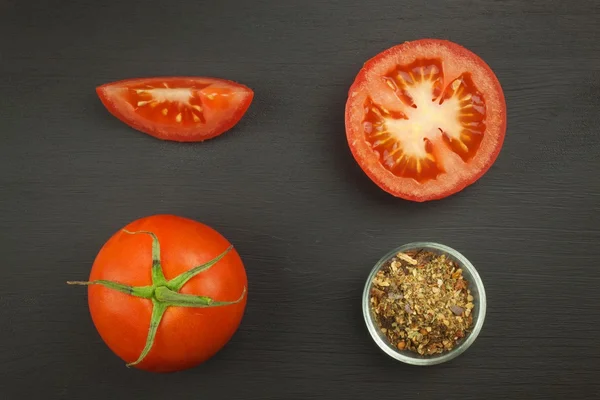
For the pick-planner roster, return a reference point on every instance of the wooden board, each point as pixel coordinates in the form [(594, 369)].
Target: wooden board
[(283, 187)]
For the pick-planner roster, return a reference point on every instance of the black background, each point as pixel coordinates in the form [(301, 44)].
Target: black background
[(283, 187)]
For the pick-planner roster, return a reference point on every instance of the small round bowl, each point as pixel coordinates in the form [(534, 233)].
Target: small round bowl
[(477, 291)]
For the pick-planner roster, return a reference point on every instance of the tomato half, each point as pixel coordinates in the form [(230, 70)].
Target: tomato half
[(166, 293), (425, 119), (182, 109)]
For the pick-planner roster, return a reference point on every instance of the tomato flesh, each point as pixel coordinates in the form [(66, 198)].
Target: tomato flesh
[(182, 109), (425, 119)]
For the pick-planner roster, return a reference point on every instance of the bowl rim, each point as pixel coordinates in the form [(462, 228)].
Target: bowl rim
[(415, 360)]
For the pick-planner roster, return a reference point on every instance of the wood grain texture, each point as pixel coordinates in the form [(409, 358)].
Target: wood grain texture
[(284, 189)]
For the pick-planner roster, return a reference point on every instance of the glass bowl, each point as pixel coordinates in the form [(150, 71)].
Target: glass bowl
[(477, 291)]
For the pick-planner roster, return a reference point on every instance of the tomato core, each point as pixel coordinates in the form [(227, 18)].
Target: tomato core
[(434, 115)]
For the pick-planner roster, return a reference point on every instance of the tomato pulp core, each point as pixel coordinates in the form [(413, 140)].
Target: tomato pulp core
[(434, 115), (181, 103)]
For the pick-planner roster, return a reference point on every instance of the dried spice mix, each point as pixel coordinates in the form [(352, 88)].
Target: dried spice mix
[(421, 302)]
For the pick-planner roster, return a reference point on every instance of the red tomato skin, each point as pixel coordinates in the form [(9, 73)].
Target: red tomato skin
[(167, 133), (186, 336), (390, 186)]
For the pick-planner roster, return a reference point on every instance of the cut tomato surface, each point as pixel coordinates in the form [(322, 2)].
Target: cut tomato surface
[(425, 119), (183, 109)]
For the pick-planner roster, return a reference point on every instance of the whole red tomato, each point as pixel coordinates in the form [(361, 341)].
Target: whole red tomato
[(166, 293)]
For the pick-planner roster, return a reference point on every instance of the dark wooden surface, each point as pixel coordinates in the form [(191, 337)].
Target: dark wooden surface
[(284, 189)]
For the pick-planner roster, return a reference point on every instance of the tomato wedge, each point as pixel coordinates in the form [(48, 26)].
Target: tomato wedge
[(425, 119), (182, 109)]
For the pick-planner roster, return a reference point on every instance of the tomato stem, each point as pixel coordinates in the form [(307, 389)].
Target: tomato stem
[(145, 292), (177, 283), (158, 278), (165, 295), (158, 310)]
